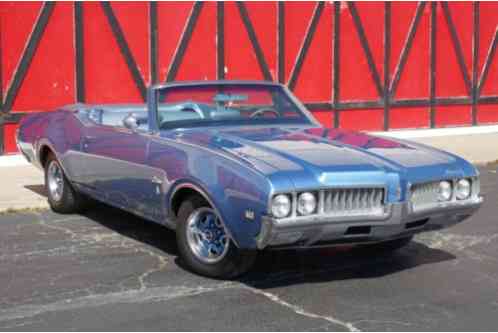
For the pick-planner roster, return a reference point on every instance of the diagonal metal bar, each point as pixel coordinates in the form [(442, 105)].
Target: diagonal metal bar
[(366, 48), (184, 41), (153, 41), (125, 49), (254, 41), (317, 13), (487, 64), (27, 56), (406, 48), (457, 47)]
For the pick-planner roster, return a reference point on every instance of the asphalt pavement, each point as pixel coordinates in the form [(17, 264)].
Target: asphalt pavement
[(108, 270)]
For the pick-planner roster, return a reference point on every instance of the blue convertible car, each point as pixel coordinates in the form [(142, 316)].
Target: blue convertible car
[(235, 167)]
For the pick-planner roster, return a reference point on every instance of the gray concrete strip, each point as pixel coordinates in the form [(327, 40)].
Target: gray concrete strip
[(22, 188)]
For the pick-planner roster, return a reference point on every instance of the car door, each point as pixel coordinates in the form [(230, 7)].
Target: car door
[(117, 170)]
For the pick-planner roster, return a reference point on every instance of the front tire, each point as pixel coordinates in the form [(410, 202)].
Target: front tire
[(61, 195), (204, 244)]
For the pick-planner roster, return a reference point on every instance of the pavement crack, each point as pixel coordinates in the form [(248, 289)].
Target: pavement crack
[(374, 321), (162, 262), (300, 310), (157, 294)]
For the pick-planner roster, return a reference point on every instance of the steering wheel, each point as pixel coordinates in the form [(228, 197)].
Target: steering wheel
[(263, 110)]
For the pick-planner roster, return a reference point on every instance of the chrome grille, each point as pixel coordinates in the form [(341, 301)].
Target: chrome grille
[(424, 196), (353, 201)]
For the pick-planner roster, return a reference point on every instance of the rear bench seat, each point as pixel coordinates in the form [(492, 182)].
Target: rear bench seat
[(113, 115)]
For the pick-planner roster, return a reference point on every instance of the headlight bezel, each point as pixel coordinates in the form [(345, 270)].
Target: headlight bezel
[(281, 196), (448, 187), (311, 197), (458, 184)]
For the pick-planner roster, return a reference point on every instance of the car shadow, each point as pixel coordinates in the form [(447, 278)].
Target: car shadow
[(134, 227), (38, 189), (283, 267)]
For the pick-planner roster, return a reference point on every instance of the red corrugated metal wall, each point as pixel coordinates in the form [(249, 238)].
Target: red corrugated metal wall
[(369, 66)]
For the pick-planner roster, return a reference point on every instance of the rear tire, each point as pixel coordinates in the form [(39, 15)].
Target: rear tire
[(61, 195), (388, 246), (204, 245)]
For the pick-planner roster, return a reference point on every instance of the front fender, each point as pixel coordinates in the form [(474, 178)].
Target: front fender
[(232, 191)]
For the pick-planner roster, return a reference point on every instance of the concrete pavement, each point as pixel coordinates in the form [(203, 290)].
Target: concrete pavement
[(21, 188)]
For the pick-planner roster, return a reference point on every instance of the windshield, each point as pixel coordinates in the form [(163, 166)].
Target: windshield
[(226, 104)]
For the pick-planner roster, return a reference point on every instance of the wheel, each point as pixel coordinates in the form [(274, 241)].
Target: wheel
[(388, 246), (204, 244), (62, 197)]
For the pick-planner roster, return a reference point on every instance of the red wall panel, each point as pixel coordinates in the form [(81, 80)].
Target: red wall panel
[(356, 82), (487, 114), (298, 12), (414, 81), (369, 120), (172, 17), (9, 133), (317, 62), (240, 59), (52, 87), (16, 23), (454, 115), (200, 58), (326, 118), (108, 77), (413, 117)]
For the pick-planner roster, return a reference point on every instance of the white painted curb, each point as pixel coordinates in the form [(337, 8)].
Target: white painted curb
[(13, 160), (438, 132)]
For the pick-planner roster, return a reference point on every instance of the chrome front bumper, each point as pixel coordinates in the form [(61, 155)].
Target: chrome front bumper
[(399, 221)]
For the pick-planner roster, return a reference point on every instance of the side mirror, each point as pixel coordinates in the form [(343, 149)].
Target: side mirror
[(131, 121)]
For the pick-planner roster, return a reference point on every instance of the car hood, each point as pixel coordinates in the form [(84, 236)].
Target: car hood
[(311, 157)]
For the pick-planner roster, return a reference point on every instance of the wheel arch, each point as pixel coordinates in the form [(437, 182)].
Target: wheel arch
[(183, 190), (43, 153)]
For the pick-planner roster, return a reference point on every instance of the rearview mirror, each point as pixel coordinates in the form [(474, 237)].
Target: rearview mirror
[(131, 122)]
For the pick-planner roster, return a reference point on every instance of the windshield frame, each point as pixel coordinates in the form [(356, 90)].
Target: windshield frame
[(306, 118)]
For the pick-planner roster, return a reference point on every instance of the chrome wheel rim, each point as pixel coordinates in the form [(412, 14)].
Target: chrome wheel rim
[(55, 180), (206, 236)]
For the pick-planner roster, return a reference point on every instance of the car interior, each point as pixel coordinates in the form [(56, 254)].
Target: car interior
[(114, 115)]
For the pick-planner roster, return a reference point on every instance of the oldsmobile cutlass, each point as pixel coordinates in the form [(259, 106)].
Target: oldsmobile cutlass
[(235, 167)]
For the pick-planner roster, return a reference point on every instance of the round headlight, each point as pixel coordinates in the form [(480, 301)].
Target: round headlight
[(444, 191), (306, 203), (281, 206), (462, 190)]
